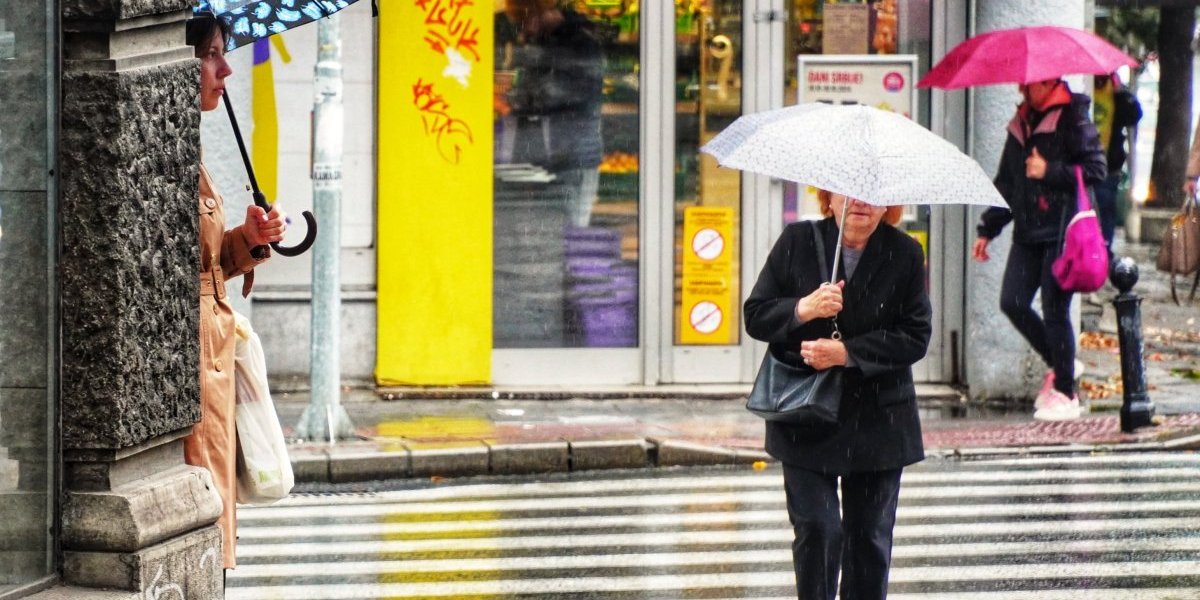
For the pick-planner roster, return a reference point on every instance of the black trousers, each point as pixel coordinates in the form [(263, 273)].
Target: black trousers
[(1050, 334), (857, 542)]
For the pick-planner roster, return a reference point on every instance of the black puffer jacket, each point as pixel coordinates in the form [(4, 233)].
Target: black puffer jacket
[(1040, 209)]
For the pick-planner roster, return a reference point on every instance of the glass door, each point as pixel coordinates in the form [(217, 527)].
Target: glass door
[(864, 41), (741, 56), (722, 69), (567, 298)]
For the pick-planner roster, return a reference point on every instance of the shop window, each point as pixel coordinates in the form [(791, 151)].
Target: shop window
[(566, 174), (27, 448)]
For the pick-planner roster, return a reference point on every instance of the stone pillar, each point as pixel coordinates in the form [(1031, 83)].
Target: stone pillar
[(999, 361), (134, 516)]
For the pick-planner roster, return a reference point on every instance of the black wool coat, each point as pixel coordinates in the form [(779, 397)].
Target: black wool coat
[(885, 323)]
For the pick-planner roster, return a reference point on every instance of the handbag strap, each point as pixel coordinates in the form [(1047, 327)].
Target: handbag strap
[(818, 240), (1082, 201), (819, 244)]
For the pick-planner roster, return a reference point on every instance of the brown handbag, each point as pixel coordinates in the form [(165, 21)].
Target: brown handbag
[(1180, 250)]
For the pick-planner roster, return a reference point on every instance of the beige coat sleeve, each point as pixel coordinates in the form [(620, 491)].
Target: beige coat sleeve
[(236, 258), (1193, 165)]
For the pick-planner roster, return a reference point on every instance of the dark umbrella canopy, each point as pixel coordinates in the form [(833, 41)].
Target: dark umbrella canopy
[(251, 20)]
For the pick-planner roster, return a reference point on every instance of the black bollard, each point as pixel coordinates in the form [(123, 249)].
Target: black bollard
[(1137, 409)]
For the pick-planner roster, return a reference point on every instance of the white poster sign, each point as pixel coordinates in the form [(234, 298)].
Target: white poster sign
[(885, 82)]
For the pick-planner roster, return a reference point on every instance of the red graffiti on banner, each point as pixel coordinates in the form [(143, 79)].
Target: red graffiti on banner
[(448, 27), (451, 135)]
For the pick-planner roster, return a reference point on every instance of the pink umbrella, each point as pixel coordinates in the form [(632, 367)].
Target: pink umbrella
[(1025, 55)]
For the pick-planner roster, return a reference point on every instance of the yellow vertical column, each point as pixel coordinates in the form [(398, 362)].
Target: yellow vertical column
[(435, 193)]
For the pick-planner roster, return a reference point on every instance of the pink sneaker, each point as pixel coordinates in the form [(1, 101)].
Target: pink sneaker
[(1058, 407), (1044, 393)]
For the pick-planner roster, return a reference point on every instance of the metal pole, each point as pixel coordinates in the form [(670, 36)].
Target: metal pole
[(1137, 410), (325, 418)]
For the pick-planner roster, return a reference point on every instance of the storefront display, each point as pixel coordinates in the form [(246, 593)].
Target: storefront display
[(602, 232), (566, 199)]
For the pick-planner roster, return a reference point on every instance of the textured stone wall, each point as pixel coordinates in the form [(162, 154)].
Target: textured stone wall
[(109, 10), (129, 152), (999, 361)]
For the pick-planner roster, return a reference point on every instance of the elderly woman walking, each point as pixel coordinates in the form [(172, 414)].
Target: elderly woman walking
[(223, 254), (883, 313)]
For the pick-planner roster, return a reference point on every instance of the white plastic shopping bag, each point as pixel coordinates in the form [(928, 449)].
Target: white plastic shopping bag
[(264, 471)]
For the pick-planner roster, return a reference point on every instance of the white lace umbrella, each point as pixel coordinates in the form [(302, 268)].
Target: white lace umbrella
[(871, 155)]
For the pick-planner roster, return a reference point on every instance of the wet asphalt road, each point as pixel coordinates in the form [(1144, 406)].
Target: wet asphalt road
[(1079, 527)]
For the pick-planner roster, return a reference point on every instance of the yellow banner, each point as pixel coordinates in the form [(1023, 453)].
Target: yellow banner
[(707, 286), (435, 193)]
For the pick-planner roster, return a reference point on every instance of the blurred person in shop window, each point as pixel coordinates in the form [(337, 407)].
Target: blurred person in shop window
[(1115, 110), (556, 98)]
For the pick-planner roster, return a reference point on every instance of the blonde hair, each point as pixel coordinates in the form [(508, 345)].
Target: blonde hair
[(891, 217)]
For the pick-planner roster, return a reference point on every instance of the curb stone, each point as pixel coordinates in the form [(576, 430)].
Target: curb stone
[(323, 466), (513, 459)]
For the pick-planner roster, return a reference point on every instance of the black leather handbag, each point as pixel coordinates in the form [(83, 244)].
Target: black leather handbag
[(798, 395)]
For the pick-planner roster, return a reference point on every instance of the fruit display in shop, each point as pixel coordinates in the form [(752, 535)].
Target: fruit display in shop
[(619, 162)]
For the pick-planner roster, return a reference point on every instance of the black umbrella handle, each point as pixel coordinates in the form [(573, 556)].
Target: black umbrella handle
[(310, 236), (260, 199)]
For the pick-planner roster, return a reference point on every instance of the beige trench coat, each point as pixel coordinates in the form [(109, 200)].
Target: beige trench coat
[(213, 442)]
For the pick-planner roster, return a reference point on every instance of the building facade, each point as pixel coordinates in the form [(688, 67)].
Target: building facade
[(468, 257), (445, 280)]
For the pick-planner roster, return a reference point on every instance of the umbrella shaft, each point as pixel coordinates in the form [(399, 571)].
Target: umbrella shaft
[(237, 134), (837, 249)]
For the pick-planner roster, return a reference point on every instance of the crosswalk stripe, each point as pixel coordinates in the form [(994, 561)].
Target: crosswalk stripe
[(606, 502), (1101, 527), (1107, 460), (694, 519), (686, 538), (777, 555), (1076, 594), (1004, 573), (748, 481)]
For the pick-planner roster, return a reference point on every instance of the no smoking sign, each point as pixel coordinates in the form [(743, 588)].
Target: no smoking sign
[(708, 244)]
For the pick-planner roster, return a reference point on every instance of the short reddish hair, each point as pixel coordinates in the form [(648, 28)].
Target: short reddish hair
[(891, 217)]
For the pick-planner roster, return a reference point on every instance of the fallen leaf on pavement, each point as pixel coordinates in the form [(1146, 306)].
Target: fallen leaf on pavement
[(1093, 340), (1186, 373), (1098, 390)]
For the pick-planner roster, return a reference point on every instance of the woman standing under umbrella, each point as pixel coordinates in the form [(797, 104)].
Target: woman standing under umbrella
[(882, 310), (1048, 137), (223, 254)]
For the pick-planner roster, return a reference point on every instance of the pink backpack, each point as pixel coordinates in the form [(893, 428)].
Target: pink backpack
[(1083, 264)]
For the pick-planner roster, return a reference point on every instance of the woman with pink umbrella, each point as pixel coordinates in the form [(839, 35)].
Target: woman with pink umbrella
[(1051, 142), (1048, 137)]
